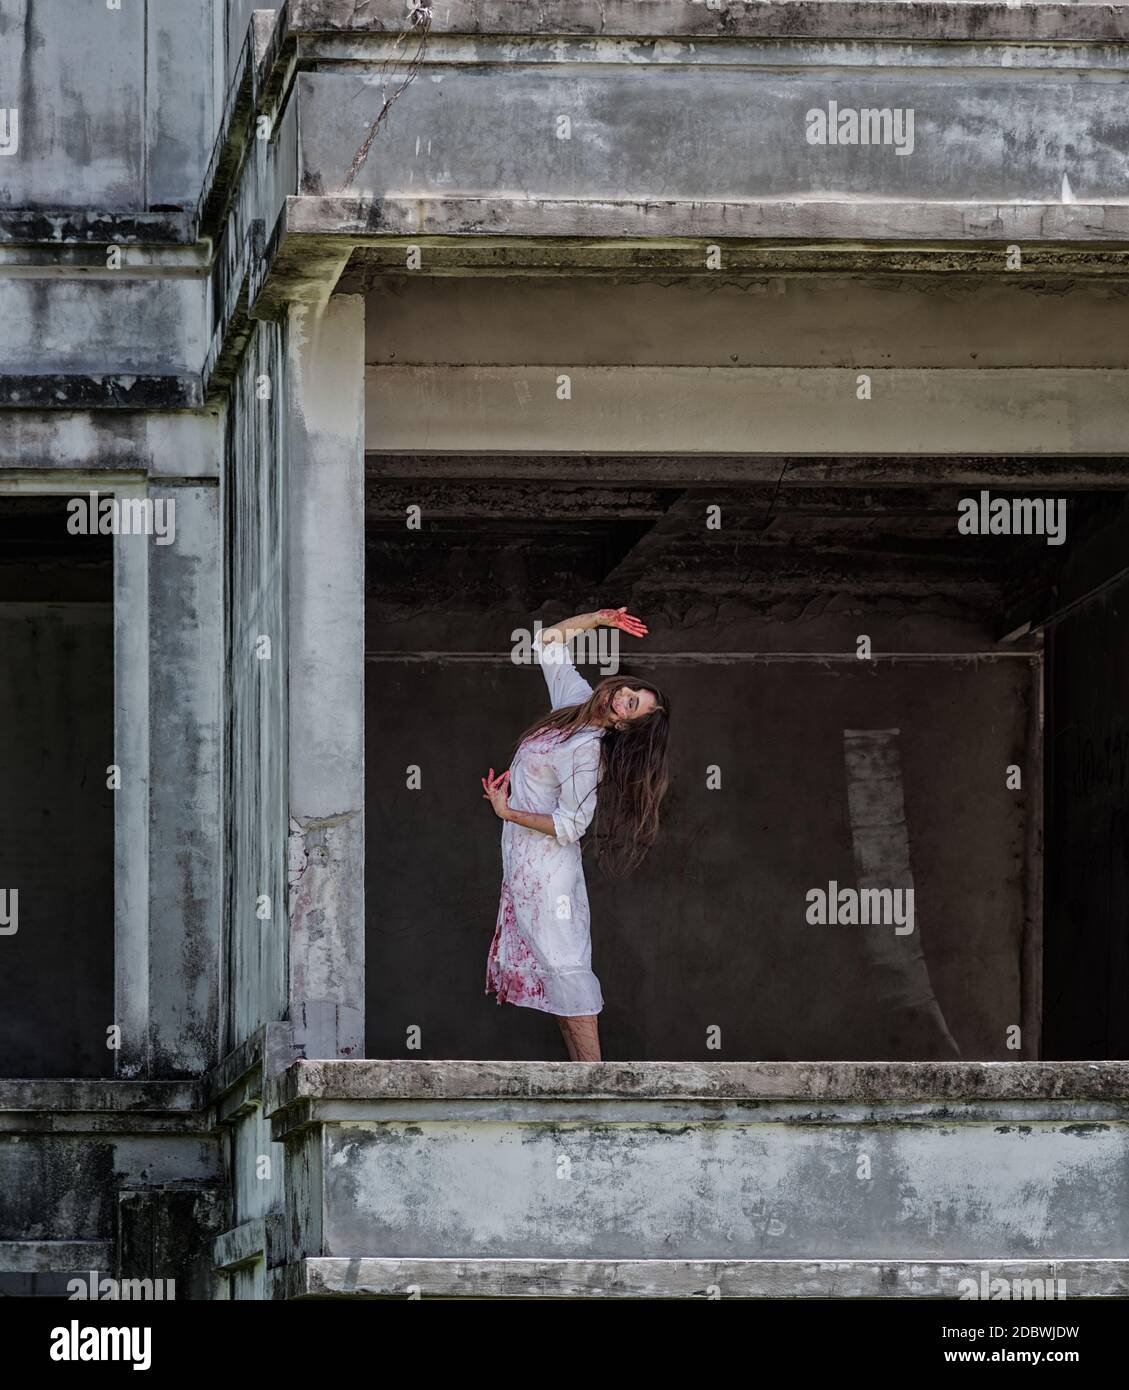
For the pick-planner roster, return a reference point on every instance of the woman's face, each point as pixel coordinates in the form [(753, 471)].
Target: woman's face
[(628, 702)]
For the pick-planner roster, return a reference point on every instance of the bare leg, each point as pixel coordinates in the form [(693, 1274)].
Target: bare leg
[(582, 1037)]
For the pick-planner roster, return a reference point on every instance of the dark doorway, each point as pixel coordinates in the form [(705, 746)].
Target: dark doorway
[(1085, 604), (57, 827)]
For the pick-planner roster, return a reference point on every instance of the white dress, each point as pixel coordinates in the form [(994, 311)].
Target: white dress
[(541, 954)]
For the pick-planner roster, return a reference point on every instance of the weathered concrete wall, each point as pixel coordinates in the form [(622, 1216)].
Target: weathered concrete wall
[(115, 105), (725, 1188), (269, 173), (725, 121), (125, 1175), (101, 322)]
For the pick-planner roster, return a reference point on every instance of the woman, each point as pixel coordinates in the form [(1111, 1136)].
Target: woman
[(612, 738)]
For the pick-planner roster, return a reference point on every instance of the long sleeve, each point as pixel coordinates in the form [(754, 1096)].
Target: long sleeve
[(579, 770), (566, 685)]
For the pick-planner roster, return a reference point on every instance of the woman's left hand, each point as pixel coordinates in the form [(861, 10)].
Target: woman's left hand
[(497, 791)]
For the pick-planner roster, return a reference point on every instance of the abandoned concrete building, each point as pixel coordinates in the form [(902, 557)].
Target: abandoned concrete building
[(342, 342)]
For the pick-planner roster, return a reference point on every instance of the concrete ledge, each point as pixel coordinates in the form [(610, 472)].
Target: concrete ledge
[(102, 1108), (236, 1082), (257, 1239), (101, 1097), (319, 242), (638, 259), (703, 1279), (54, 1256), (796, 1162), (729, 19), (854, 1082), (401, 214)]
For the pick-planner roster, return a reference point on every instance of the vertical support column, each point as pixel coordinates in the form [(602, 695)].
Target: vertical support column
[(186, 872), (131, 818), (326, 623)]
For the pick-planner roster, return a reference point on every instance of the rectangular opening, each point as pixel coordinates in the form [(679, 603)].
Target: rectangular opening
[(797, 765), (56, 710)]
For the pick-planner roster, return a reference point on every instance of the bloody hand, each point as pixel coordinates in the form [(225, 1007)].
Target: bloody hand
[(621, 618), (496, 790)]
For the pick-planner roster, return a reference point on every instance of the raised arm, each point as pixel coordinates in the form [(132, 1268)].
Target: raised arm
[(584, 622), (566, 685)]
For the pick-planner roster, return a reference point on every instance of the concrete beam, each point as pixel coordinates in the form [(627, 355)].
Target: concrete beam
[(125, 1098), (719, 410), (1049, 266), (701, 1279), (401, 214), (986, 20), (386, 500), (54, 1256), (801, 470), (77, 444), (326, 243)]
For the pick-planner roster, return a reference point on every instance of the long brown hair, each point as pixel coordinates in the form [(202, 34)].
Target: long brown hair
[(633, 775)]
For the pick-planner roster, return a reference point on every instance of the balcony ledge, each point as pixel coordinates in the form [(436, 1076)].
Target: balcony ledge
[(702, 1279), (312, 1092)]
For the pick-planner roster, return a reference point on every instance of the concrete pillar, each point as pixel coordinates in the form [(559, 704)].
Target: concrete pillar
[(185, 737), (325, 632), (131, 802)]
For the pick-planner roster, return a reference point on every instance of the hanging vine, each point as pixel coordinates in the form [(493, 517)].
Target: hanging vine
[(418, 28)]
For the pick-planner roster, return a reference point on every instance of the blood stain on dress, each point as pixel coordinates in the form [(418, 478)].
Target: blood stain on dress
[(512, 971)]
